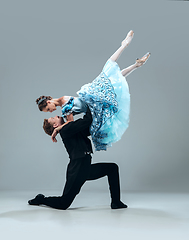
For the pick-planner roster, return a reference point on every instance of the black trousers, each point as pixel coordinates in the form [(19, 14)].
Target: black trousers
[(78, 172)]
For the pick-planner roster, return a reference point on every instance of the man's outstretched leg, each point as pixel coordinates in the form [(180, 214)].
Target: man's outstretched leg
[(110, 170), (77, 173)]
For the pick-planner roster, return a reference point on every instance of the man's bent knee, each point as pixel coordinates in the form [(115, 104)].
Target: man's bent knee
[(114, 167)]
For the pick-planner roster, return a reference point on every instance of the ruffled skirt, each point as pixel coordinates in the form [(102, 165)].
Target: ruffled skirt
[(108, 98)]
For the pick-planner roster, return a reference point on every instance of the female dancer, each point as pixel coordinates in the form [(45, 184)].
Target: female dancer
[(107, 97)]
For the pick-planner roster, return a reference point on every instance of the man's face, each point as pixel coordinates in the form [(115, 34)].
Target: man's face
[(56, 121)]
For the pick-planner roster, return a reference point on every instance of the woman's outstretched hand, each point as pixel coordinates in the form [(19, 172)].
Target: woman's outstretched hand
[(56, 131), (53, 136)]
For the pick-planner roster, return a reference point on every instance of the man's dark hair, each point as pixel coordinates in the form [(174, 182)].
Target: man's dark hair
[(48, 128)]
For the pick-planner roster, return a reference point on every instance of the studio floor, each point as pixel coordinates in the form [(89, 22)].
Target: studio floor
[(149, 216)]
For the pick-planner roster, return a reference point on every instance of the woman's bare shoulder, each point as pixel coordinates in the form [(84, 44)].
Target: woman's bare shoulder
[(65, 99)]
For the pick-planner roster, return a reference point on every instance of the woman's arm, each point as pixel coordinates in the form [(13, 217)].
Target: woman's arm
[(57, 130)]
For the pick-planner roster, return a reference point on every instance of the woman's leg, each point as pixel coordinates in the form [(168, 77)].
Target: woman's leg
[(139, 62), (124, 44)]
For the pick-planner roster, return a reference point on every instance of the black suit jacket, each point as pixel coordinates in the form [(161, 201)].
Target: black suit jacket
[(75, 136)]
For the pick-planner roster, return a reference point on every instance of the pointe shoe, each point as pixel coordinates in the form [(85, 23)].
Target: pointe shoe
[(141, 61), (128, 39)]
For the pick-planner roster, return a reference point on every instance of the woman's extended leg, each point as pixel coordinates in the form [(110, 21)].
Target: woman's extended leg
[(139, 62), (124, 44)]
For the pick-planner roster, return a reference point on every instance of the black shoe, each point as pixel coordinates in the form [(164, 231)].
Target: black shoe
[(37, 200), (118, 205)]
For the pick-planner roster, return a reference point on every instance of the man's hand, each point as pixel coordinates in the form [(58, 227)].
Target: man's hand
[(69, 117)]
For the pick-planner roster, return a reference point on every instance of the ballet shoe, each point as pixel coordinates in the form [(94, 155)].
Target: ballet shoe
[(37, 200), (118, 205), (128, 39), (141, 61)]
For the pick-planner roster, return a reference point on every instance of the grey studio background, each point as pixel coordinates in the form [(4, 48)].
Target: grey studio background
[(53, 48)]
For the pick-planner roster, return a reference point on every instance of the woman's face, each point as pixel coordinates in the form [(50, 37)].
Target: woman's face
[(50, 107)]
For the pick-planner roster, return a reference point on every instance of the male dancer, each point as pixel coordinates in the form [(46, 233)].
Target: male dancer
[(74, 136)]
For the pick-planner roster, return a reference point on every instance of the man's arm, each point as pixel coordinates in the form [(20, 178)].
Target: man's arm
[(77, 126)]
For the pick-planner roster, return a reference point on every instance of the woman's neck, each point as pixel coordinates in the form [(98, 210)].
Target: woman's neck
[(61, 101), (58, 101)]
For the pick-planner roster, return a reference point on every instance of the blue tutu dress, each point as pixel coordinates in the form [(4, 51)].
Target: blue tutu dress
[(108, 98)]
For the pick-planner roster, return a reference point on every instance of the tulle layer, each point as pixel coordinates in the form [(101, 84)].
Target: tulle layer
[(108, 98)]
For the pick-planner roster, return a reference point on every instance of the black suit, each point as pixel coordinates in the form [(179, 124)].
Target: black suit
[(74, 136)]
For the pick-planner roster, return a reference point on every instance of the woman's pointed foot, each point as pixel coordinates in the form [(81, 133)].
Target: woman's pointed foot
[(128, 39), (141, 61)]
